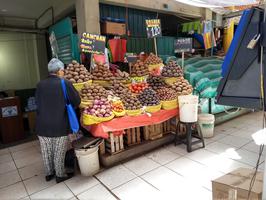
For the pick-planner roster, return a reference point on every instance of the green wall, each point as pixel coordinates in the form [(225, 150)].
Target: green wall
[(19, 65)]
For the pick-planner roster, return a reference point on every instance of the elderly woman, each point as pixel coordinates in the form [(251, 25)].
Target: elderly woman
[(52, 122)]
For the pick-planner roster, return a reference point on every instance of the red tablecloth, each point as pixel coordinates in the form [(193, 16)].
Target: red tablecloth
[(119, 124)]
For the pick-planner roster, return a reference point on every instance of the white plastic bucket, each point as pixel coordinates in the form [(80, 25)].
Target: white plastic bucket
[(206, 123), (88, 160), (188, 108)]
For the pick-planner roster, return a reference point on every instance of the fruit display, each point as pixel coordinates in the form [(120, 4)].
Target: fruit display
[(117, 106), (77, 73), (172, 70), (101, 72), (153, 59), (156, 82), (100, 108), (121, 75), (149, 98), (118, 88), (137, 87), (93, 92), (139, 69), (166, 94), (130, 102), (182, 87)]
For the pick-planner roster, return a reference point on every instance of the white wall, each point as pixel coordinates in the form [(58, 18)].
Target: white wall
[(19, 64)]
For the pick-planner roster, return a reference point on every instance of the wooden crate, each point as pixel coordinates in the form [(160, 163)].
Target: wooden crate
[(114, 144), (153, 132), (169, 126), (132, 136)]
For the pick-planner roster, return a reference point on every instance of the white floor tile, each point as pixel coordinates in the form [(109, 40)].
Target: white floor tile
[(5, 158), (7, 167), (4, 151), (26, 198), (223, 164), (235, 141), (201, 155), (162, 156), (37, 183), (31, 151), (79, 184), (243, 133), (247, 157), (28, 160), (16, 191), (115, 176), (136, 189), (218, 147), (253, 147), (97, 192), (141, 165), (20, 147), (31, 170), (9, 178), (163, 179), (180, 149), (56, 192), (185, 166)]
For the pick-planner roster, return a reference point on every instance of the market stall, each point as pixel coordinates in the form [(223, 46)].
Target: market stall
[(134, 112)]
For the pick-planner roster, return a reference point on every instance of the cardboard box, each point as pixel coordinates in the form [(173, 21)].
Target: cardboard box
[(113, 28), (235, 185)]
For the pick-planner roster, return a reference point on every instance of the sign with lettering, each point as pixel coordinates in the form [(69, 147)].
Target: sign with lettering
[(54, 45), (92, 43), (183, 45), (153, 28), (9, 111)]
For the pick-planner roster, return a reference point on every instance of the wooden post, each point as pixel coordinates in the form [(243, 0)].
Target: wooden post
[(155, 46)]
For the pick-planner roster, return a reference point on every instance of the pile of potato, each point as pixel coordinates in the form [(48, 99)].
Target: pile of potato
[(130, 102), (139, 69), (172, 70), (121, 75), (153, 59), (93, 92), (182, 87), (166, 94), (118, 88), (156, 82), (102, 72), (77, 73), (149, 98)]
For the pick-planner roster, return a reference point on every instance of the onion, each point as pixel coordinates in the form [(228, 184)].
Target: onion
[(102, 111), (108, 106), (103, 107), (96, 102), (100, 115), (93, 110)]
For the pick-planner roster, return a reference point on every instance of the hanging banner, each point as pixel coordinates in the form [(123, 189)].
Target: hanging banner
[(54, 45), (228, 35), (153, 28), (183, 45), (92, 43)]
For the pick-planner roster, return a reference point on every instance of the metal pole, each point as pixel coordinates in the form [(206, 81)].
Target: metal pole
[(183, 59), (155, 46), (263, 103)]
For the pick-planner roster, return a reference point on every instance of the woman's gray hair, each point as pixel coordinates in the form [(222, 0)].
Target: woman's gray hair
[(55, 65)]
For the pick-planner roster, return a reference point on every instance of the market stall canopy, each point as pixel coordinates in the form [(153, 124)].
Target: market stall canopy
[(218, 3)]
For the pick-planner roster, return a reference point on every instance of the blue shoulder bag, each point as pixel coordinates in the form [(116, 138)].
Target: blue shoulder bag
[(72, 117)]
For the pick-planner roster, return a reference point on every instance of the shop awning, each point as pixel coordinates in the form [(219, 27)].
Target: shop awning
[(218, 3)]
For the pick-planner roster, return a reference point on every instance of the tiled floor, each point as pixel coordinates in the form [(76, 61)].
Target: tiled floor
[(166, 173)]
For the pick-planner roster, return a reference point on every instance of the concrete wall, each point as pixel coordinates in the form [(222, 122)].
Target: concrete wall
[(19, 60)]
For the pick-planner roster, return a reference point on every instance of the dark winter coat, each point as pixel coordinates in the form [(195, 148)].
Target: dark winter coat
[(52, 120)]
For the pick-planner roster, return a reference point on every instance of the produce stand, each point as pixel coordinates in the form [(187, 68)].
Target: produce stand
[(130, 136)]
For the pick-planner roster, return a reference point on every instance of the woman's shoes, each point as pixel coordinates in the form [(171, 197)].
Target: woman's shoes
[(49, 177), (61, 179)]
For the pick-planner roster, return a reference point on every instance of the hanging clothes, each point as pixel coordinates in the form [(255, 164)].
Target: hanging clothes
[(118, 49), (207, 26), (209, 40), (228, 35), (192, 27)]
